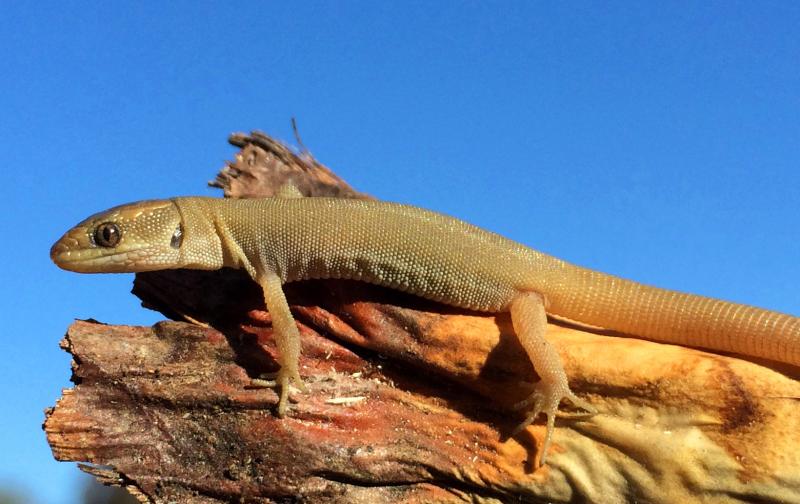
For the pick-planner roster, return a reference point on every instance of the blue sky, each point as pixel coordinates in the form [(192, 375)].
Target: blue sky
[(660, 142)]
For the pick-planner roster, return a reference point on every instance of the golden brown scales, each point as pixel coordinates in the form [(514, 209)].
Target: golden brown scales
[(279, 240)]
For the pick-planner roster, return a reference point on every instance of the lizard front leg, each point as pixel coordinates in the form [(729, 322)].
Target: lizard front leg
[(530, 323), (287, 337)]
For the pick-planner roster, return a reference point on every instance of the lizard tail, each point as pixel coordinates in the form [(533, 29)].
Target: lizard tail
[(674, 317)]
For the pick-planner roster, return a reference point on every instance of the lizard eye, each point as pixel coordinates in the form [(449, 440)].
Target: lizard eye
[(107, 235)]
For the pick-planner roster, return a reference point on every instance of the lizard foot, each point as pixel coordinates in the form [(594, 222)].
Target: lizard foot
[(283, 379), (545, 399)]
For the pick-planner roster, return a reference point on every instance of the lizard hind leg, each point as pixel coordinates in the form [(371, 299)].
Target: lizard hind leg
[(530, 324)]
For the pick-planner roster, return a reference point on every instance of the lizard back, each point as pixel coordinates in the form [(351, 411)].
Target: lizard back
[(448, 260)]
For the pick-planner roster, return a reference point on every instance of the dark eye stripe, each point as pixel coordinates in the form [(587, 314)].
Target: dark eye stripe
[(107, 235)]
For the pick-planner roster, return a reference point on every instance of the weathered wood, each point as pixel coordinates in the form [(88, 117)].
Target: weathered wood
[(407, 400), (265, 164)]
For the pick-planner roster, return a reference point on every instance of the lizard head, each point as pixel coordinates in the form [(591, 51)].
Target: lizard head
[(141, 236)]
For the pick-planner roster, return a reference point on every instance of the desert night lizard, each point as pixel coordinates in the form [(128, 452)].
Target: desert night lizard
[(288, 238)]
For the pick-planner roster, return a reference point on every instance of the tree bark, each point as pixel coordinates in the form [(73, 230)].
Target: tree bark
[(407, 400)]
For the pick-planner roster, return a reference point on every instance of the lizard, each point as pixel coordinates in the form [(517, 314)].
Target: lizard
[(288, 237)]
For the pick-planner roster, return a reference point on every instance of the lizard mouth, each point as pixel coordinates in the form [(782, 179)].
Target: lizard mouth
[(67, 254), (62, 254)]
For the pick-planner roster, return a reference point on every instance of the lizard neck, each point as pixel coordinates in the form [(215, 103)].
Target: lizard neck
[(201, 247)]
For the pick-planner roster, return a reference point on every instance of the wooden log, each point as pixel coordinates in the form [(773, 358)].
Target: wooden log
[(407, 400)]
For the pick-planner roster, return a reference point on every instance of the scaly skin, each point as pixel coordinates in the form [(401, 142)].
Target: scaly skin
[(283, 239)]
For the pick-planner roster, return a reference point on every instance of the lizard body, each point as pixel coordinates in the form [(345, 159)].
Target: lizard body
[(284, 239)]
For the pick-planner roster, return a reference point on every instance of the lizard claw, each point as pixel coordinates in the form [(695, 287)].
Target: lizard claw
[(283, 379), (545, 398)]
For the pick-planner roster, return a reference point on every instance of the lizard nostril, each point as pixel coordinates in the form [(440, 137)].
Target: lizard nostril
[(56, 250), (61, 249)]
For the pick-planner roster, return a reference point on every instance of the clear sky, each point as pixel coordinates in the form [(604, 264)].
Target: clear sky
[(657, 141)]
